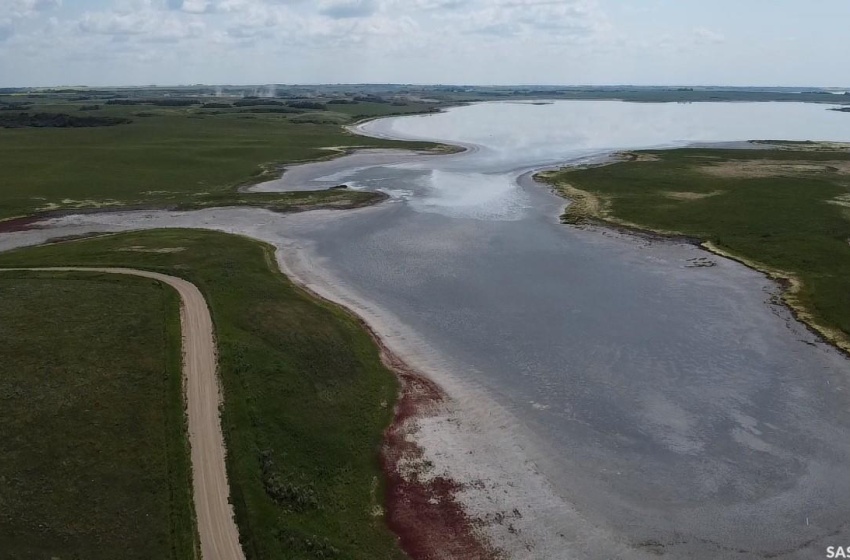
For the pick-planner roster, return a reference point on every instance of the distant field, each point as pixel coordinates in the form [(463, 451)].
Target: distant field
[(786, 211), (92, 438), (306, 397), (165, 154)]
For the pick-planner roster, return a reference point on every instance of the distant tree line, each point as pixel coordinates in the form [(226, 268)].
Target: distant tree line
[(87, 92), (57, 120), (288, 110), (371, 99), (94, 97), (14, 106), (256, 101), (312, 105), (157, 102)]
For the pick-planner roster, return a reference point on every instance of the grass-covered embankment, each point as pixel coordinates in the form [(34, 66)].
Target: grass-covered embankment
[(283, 202), (92, 433), (784, 211), (306, 396)]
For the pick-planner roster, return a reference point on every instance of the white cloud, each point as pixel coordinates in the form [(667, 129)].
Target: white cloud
[(703, 36), (6, 29), (27, 8), (196, 6), (13, 12), (148, 24), (349, 8)]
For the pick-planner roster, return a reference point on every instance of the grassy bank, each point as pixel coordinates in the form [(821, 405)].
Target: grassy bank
[(165, 155), (307, 398), (284, 202), (92, 434), (784, 211)]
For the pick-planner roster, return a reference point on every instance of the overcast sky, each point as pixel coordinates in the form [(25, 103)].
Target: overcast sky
[(682, 42)]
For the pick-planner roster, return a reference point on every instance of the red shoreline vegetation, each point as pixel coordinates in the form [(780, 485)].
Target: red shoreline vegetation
[(19, 224), (424, 513)]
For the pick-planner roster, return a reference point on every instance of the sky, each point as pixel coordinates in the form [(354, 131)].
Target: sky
[(482, 42)]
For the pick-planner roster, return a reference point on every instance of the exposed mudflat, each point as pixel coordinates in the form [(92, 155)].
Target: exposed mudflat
[(609, 396)]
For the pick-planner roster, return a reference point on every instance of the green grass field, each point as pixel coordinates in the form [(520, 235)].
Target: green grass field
[(174, 154), (306, 396), (782, 210), (92, 434)]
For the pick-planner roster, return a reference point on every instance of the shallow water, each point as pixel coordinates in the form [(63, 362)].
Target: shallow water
[(670, 407)]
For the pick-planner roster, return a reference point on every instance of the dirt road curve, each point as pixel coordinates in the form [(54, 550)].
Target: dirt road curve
[(216, 526)]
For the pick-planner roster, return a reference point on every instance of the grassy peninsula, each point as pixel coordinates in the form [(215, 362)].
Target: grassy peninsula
[(306, 396), (784, 210)]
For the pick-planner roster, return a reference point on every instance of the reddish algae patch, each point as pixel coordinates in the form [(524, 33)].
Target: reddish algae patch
[(423, 510), (19, 224)]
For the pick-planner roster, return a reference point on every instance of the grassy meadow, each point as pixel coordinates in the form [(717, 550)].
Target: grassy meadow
[(785, 211), (306, 396), (94, 462)]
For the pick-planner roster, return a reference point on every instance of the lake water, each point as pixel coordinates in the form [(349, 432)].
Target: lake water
[(664, 408)]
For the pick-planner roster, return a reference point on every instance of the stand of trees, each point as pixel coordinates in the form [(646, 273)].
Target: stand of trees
[(256, 102), (56, 120), (157, 102), (312, 105)]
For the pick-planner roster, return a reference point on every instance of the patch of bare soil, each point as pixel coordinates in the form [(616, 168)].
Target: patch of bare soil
[(161, 250), (633, 156), (841, 200), (756, 169), (691, 195), (806, 146)]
